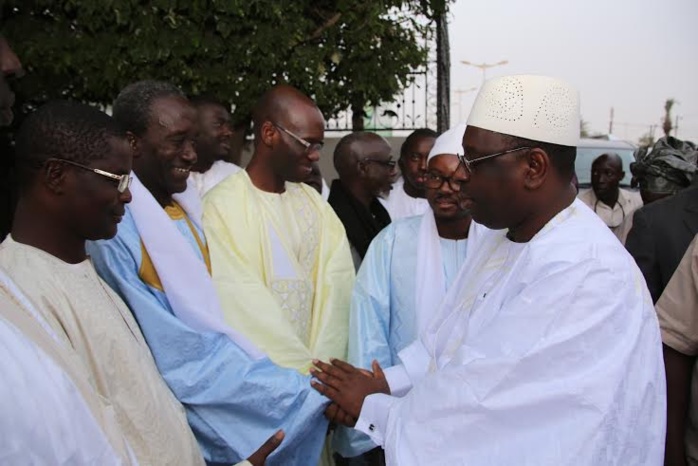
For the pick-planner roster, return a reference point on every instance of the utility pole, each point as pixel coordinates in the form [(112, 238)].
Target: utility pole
[(484, 67), (459, 98), (610, 124), (443, 74)]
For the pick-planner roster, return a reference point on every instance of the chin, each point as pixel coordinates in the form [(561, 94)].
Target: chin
[(489, 222), (176, 188), (103, 234)]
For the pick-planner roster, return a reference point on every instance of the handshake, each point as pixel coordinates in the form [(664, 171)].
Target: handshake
[(347, 387)]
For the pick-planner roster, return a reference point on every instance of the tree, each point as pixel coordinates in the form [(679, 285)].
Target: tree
[(344, 53)]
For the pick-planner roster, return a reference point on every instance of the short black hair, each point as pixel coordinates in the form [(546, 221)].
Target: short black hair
[(562, 157), (132, 105), (414, 137), (65, 130)]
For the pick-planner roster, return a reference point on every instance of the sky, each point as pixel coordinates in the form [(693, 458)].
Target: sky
[(631, 55)]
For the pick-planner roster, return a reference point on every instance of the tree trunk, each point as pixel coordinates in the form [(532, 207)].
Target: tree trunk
[(357, 114)]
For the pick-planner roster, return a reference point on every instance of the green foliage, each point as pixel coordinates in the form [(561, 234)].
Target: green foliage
[(339, 51)]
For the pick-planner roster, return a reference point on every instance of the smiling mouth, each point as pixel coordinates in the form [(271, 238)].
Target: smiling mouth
[(183, 171)]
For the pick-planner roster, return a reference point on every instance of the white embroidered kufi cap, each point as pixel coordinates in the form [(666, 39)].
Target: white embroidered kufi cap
[(538, 108), (450, 142)]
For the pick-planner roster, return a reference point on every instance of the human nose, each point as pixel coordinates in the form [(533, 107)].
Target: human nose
[(423, 164), (9, 62), (314, 154), (189, 153), (462, 172), (227, 130), (126, 196)]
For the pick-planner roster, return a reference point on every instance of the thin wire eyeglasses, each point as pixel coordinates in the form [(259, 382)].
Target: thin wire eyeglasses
[(469, 163), (310, 147), (124, 180), (390, 163)]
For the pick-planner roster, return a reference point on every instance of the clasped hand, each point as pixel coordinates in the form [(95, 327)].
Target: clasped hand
[(347, 387)]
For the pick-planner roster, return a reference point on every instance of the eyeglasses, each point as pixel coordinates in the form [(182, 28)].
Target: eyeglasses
[(469, 163), (390, 163), (310, 147), (434, 181), (124, 180)]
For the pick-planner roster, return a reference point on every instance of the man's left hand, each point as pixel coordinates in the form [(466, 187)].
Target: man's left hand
[(346, 385)]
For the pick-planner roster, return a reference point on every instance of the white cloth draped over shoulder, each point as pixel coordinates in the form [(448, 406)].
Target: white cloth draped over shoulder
[(184, 277), (543, 353), (50, 412), (399, 204), (399, 287)]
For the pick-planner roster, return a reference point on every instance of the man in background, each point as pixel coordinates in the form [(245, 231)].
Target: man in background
[(408, 197), (213, 144), (365, 170), (606, 198)]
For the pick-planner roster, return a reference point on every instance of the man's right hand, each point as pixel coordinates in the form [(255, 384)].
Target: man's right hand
[(260, 456)]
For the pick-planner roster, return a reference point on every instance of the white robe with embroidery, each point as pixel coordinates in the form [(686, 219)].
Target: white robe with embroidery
[(543, 353)]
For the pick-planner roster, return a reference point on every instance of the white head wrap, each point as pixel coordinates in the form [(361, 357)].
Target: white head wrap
[(450, 142)]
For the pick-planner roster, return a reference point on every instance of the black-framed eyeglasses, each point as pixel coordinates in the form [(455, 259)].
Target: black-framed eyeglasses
[(469, 163), (310, 147), (435, 181), (390, 163), (124, 181)]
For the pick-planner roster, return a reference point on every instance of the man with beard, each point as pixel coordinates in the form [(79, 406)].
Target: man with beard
[(212, 144), (408, 197), (546, 348), (279, 254), (405, 275), (366, 169)]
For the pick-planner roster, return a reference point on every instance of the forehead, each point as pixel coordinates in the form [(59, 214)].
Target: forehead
[(605, 162), (482, 141), (211, 110), (118, 156), (172, 113), (375, 147), (444, 163), (304, 118), (421, 144)]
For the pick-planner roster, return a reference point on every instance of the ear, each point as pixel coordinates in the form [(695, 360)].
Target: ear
[(53, 176), (537, 168), (268, 133), (362, 169), (621, 176), (134, 142)]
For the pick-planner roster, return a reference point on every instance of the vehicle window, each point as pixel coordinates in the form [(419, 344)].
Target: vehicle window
[(587, 155)]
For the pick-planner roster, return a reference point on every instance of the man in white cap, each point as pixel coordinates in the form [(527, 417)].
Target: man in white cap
[(546, 349), (406, 272)]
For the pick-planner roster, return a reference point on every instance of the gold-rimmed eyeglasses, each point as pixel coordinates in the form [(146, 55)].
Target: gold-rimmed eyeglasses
[(124, 181)]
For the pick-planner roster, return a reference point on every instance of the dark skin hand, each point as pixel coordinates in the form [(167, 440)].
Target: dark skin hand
[(347, 387), (337, 415), (259, 457)]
